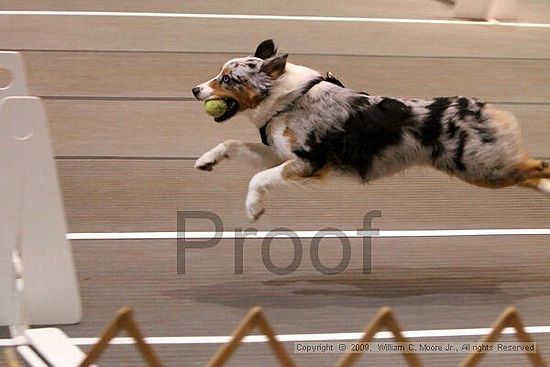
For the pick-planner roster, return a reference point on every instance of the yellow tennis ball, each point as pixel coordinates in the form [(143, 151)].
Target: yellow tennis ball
[(215, 107)]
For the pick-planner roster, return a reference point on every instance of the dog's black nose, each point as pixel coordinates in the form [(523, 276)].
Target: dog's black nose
[(196, 91)]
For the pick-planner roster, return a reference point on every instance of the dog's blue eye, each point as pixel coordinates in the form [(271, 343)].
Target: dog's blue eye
[(225, 79)]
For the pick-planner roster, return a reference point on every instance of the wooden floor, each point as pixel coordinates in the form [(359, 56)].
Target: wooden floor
[(126, 132)]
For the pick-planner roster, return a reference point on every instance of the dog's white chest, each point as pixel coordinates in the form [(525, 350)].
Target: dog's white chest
[(280, 140)]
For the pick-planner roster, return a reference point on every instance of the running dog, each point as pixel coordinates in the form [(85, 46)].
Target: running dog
[(311, 125)]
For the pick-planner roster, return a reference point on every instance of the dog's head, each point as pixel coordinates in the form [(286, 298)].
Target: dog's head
[(244, 83)]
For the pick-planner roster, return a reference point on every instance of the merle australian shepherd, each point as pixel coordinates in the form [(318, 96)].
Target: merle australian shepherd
[(311, 125)]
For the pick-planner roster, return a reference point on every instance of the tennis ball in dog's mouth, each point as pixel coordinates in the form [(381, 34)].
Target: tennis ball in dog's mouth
[(215, 107)]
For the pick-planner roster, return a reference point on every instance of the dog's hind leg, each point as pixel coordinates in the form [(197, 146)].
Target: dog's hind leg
[(539, 184), (291, 172), (531, 173), (537, 175), (258, 155), (534, 168)]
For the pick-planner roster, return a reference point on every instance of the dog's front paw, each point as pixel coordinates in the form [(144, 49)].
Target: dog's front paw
[(254, 206), (204, 166), (208, 160)]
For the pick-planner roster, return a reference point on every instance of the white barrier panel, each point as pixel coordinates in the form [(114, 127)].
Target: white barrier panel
[(55, 347), (11, 61), (32, 222), (38, 282)]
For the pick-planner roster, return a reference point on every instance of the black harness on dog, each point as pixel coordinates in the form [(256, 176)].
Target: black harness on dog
[(327, 78)]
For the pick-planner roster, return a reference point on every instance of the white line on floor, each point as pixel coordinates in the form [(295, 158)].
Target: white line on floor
[(305, 234), (305, 337), (276, 17)]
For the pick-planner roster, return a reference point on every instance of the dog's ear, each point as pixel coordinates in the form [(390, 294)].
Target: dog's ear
[(274, 66), (265, 50)]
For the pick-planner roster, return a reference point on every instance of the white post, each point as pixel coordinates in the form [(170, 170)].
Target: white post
[(38, 283), (486, 9), (504, 9)]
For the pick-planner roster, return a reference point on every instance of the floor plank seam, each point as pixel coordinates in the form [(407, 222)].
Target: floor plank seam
[(238, 52)]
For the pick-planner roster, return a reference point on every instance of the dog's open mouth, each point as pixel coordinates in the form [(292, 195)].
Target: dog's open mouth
[(230, 111)]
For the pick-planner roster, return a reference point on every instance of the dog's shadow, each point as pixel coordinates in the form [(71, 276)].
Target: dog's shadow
[(384, 286)]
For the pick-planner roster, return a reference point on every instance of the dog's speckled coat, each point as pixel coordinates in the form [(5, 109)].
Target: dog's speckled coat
[(314, 126)]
